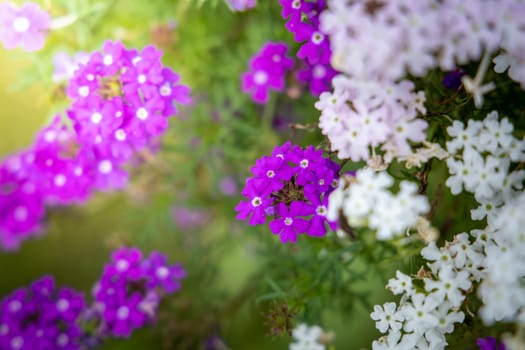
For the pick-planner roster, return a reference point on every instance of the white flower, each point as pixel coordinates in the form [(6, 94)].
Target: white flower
[(306, 338), (420, 313), (401, 284), (450, 285), (387, 317)]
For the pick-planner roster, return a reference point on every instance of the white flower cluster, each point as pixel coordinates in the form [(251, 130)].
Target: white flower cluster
[(360, 115), (366, 200), (385, 39), (487, 149), (306, 338), (502, 290), (423, 318)]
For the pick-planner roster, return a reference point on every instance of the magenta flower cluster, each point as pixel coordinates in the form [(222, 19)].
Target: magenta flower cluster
[(130, 289), (268, 69), (303, 23), (26, 26), (122, 100), (41, 317), (291, 186)]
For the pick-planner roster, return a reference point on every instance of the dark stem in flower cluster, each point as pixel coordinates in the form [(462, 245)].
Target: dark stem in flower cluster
[(289, 193)]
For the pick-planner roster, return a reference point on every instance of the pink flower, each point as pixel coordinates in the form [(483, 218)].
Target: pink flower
[(26, 26)]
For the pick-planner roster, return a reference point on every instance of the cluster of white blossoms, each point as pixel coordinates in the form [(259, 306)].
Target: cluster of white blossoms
[(307, 338), (360, 115), (366, 200), (485, 150), (376, 43), (385, 39), (425, 315)]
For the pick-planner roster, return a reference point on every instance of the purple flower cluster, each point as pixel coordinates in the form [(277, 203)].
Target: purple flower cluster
[(122, 100), (129, 291), (26, 26), (303, 22), (41, 317), (292, 186), (267, 71)]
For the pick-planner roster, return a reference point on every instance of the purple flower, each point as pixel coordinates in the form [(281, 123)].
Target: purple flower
[(318, 76), (228, 186), (26, 26), (130, 288), (41, 318), (489, 343), (267, 71), (289, 224), (161, 274), (187, 218), (452, 79), (241, 5), (292, 185), (65, 65)]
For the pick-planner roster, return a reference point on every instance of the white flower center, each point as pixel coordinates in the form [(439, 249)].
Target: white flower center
[(319, 71), (321, 210), (50, 136), (317, 38), (136, 60), (142, 113), (321, 182), (276, 58), (296, 4), (120, 135), (270, 173), (20, 214), (62, 340), (108, 60), (21, 24), (118, 114), (60, 180), (96, 118), (83, 91), (105, 167), (122, 265), (141, 79), (62, 305), (90, 77), (288, 221), (304, 163), (162, 272), (78, 171), (15, 305), (256, 201), (17, 343), (122, 312), (165, 90), (260, 77)]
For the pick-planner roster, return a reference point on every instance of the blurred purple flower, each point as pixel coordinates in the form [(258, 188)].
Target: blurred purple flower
[(452, 79), (241, 5), (188, 219), (26, 26), (66, 65), (228, 186), (489, 343)]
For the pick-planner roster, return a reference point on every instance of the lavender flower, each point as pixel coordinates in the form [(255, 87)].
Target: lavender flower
[(267, 71), (241, 5), (130, 289), (26, 26), (40, 317), (292, 185)]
